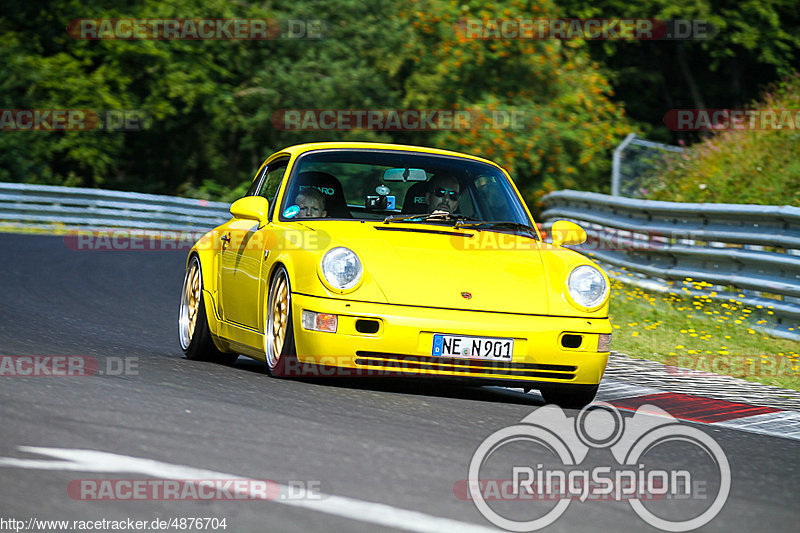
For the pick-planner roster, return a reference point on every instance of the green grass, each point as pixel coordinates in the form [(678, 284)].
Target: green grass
[(701, 333), (14, 227), (741, 167)]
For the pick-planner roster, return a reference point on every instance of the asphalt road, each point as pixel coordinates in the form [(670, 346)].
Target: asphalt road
[(402, 445)]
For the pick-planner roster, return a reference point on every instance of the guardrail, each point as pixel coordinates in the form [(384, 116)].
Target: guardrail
[(54, 207), (751, 247)]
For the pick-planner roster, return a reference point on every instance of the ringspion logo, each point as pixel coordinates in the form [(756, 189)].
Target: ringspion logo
[(519, 496)]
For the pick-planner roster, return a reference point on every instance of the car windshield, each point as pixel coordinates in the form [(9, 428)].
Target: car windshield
[(393, 186)]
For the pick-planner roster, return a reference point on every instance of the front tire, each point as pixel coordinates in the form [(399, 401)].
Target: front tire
[(193, 331), (279, 344)]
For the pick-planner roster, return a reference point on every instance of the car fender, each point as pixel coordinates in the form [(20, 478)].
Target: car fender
[(206, 252)]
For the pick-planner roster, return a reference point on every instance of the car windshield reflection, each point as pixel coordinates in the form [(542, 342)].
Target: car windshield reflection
[(405, 187)]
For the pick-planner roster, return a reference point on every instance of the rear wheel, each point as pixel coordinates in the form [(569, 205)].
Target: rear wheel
[(279, 344), (193, 332), (570, 396)]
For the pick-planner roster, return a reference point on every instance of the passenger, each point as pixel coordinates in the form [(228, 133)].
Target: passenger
[(443, 193), (311, 203)]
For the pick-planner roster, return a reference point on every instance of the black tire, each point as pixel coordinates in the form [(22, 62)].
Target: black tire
[(570, 396), (279, 346), (193, 332)]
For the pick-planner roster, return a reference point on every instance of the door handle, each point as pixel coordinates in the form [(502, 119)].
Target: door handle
[(226, 240)]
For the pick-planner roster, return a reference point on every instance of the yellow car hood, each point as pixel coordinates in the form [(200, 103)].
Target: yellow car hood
[(438, 266)]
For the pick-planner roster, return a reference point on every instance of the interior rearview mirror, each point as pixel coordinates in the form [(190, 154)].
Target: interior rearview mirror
[(405, 174)]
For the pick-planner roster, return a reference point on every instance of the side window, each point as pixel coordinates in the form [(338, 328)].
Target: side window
[(272, 182), (254, 186)]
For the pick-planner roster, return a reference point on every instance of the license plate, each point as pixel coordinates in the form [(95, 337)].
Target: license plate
[(472, 347)]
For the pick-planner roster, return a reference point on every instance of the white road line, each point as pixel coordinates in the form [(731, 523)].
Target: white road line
[(351, 508), (785, 424)]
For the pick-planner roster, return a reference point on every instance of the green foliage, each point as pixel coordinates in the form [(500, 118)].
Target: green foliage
[(752, 167), (210, 103), (567, 126), (754, 43)]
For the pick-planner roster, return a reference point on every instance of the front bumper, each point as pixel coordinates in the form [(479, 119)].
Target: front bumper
[(402, 344)]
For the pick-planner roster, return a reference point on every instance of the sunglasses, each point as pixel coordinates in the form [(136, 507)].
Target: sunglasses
[(441, 192)]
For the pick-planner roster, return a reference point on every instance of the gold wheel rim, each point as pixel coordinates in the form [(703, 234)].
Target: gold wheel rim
[(280, 316), (193, 298), (190, 303)]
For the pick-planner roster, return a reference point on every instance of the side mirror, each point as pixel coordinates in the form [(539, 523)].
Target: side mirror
[(251, 208), (566, 232)]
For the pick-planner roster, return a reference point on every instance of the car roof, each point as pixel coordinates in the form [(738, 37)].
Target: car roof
[(307, 147)]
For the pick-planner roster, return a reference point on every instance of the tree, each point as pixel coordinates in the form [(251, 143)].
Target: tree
[(754, 43), (210, 104)]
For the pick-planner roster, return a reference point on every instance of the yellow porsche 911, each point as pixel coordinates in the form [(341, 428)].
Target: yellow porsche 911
[(362, 259)]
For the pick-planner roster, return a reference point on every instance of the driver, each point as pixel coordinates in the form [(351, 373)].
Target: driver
[(443, 193), (311, 203)]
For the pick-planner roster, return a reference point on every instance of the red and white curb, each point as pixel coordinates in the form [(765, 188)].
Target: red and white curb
[(710, 411)]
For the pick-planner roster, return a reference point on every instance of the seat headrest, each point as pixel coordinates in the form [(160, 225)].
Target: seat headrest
[(331, 189), (415, 201)]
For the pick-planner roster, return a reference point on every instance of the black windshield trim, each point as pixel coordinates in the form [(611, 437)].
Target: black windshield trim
[(420, 230)]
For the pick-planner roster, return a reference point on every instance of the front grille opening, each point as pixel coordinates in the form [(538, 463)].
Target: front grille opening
[(571, 341), (367, 326)]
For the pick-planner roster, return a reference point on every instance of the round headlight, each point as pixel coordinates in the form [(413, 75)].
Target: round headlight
[(587, 286), (341, 268)]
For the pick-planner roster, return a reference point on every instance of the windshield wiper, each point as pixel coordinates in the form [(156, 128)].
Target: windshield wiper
[(444, 216), (461, 222), (498, 225)]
